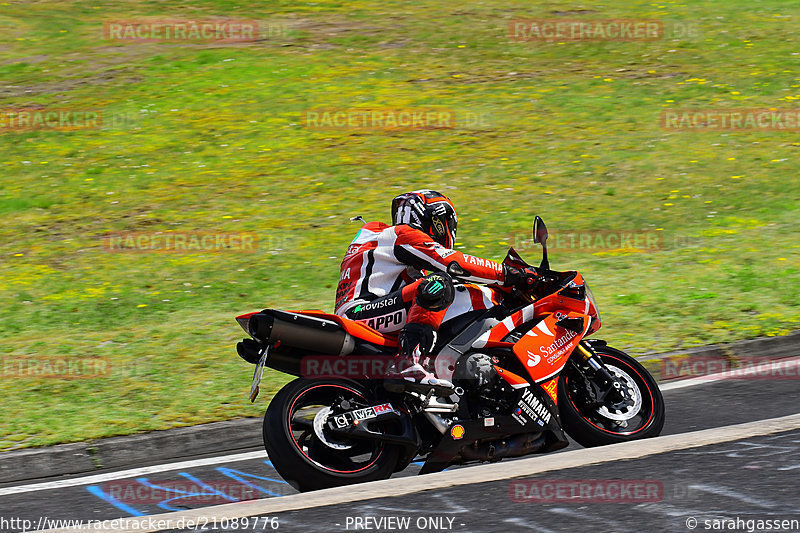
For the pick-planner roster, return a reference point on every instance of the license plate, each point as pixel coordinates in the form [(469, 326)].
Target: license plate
[(257, 375)]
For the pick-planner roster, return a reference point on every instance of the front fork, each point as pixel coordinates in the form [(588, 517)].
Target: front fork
[(604, 383)]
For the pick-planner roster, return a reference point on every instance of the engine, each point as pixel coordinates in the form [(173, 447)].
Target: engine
[(485, 391), (474, 371)]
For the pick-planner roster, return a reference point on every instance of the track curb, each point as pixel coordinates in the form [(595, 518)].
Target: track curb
[(232, 436)]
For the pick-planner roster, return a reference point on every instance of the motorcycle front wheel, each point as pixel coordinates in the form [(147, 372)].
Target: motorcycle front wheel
[(303, 450), (638, 413)]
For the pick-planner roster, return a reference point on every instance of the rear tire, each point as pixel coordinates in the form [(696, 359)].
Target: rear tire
[(640, 418), (301, 450)]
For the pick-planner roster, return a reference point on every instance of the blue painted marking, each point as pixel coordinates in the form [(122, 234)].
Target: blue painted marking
[(422, 463), (100, 493), (237, 475), (182, 494)]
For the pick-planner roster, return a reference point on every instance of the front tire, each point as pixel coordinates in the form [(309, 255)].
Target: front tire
[(301, 448), (639, 416)]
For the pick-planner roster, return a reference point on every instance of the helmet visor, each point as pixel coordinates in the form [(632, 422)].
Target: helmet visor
[(443, 229)]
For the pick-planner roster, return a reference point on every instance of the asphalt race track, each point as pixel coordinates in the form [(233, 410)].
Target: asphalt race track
[(750, 479)]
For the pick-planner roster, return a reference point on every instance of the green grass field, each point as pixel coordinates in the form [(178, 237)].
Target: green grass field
[(213, 139)]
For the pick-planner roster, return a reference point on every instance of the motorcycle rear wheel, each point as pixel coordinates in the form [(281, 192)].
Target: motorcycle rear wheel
[(640, 417), (304, 452)]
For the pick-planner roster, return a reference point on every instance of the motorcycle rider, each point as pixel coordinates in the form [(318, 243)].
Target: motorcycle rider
[(400, 277)]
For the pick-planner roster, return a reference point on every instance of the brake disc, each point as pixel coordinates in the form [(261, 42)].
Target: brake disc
[(631, 406)]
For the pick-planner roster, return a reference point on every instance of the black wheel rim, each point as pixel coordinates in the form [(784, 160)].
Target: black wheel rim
[(629, 425), (316, 444)]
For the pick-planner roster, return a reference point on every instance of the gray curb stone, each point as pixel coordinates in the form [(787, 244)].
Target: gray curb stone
[(680, 364), (120, 452), (235, 435)]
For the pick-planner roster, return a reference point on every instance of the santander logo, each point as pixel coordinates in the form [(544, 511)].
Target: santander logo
[(533, 359)]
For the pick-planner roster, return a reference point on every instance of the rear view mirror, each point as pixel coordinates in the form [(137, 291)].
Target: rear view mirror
[(540, 236), (539, 231)]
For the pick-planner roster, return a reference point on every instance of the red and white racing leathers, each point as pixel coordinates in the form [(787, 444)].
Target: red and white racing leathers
[(383, 266)]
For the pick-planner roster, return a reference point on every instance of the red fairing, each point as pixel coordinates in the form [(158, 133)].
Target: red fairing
[(544, 350)]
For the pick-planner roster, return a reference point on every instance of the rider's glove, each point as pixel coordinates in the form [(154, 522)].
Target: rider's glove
[(524, 279)]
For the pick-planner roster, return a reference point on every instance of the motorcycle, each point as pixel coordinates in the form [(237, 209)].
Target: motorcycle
[(524, 374)]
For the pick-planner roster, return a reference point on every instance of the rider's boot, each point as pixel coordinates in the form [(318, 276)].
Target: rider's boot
[(416, 341)]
